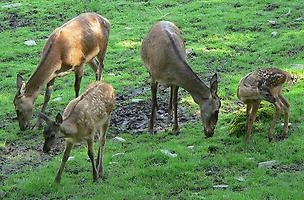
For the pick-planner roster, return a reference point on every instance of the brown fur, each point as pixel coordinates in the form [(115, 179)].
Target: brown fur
[(82, 40), (264, 84), (163, 54), (83, 117)]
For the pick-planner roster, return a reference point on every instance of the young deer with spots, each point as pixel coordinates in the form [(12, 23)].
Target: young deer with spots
[(264, 84), (83, 117), (82, 40), (163, 54)]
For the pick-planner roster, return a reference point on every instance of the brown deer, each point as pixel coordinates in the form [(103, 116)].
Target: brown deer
[(83, 117), (82, 40), (264, 84), (163, 54)]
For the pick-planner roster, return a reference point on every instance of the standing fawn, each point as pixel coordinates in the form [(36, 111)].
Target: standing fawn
[(264, 84), (82, 40), (83, 117), (163, 54)]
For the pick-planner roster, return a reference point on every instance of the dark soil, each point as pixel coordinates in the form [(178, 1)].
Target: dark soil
[(293, 168), (130, 115), (14, 20), (24, 155)]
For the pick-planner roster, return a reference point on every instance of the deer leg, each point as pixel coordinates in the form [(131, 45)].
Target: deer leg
[(286, 107), (94, 64), (102, 141), (67, 151), (276, 115), (153, 106), (170, 103), (100, 57), (251, 119), (91, 156), (78, 77), (248, 111), (174, 103), (47, 96)]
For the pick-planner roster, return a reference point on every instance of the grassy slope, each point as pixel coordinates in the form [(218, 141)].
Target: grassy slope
[(232, 37)]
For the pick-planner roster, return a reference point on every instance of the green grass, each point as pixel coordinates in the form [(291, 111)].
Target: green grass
[(231, 37)]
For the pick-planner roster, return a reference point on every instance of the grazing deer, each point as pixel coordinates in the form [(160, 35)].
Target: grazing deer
[(264, 84), (83, 117), (82, 40), (163, 54)]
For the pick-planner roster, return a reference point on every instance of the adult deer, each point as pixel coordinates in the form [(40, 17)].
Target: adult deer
[(264, 84), (83, 117), (82, 40), (163, 54)]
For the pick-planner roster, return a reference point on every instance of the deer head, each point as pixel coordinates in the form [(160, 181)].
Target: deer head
[(210, 108), (23, 104), (51, 131)]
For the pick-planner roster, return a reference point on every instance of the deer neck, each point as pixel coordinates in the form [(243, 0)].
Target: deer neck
[(42, 75), (68, 129), (192, 83)]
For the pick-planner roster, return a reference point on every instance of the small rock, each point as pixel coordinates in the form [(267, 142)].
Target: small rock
[(111, 74), (136, 100), (168, 153), (128, 28), (13, 5), (191, 148), (274, 34), (241, 179), (30, 43), (297, 66), (289, 124), (267, 164), (272, 22), (300, 19), (190, 53), (57, 99), (117, 154), (2, 194), (71, 158), (118, 139), (83, 180), (220, 186)]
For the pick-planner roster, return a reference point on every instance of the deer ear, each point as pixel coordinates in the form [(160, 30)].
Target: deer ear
[(44, 117), (59, 119), (214, 84), (20, 81)]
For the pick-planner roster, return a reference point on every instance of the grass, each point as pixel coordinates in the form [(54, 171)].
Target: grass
[(231, 37)]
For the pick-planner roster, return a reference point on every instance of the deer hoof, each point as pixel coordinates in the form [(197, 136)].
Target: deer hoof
[(175, 131), (150, 131), (270, 139), (57, 181)]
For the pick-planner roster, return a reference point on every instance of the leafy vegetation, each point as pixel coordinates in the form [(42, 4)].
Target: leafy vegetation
[(230, 37)]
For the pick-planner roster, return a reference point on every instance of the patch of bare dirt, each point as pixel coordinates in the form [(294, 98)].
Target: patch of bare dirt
[(132, 114), (24, 154), (271, 7), (277, 169), (15, 20), (295, 51)]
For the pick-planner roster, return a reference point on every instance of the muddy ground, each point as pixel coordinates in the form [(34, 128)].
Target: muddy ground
[(131, 115)]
